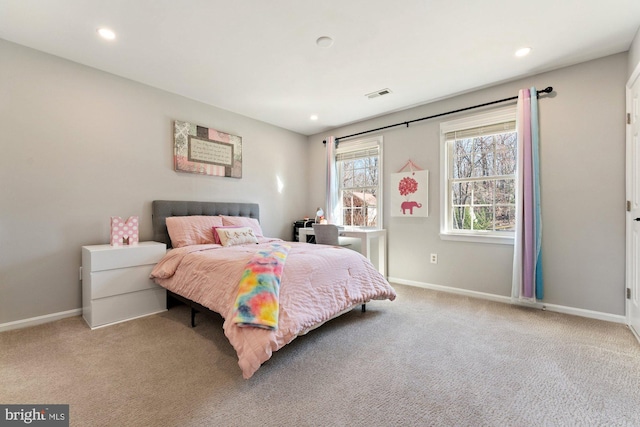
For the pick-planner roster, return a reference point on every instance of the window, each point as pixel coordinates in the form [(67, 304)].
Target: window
[(359, 167), (478, 177)]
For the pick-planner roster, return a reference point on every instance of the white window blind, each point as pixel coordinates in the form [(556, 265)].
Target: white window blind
[(359, 154), (476, 132)]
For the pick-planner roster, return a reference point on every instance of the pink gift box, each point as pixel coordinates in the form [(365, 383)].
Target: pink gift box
[(124, 232)]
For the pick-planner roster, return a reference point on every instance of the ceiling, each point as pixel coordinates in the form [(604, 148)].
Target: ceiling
[(259, 58)]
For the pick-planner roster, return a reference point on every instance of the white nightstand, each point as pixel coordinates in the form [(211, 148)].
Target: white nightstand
[(116, 284)]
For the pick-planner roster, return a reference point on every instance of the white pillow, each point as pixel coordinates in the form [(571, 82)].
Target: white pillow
[(236, 236), (243, 221)]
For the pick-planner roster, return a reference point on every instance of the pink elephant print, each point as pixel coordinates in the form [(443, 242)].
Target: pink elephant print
[(409, 206)]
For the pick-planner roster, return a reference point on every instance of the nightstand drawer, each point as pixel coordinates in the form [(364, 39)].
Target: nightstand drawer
[(116, 284), (121, 281), (127, 306), (106, 257)]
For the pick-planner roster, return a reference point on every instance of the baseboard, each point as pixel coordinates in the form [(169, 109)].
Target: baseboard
[(33, 321), (507, 300)]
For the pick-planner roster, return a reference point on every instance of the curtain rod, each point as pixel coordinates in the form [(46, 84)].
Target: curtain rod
[(548, 89)]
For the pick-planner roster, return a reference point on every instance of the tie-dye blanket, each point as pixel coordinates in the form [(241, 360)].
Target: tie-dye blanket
[(257, 303)]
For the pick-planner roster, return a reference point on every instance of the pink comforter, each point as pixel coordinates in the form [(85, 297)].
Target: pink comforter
[(318, 283)]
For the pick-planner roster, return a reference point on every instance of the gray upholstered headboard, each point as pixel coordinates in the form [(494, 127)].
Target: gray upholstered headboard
[(161, 209)]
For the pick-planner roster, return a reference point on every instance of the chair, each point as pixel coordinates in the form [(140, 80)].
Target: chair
[(327, 234)]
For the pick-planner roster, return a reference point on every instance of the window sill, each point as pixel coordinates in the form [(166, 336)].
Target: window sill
[(475, 238)]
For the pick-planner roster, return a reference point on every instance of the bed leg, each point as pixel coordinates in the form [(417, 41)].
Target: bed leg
[(193, 317), (364, 308)]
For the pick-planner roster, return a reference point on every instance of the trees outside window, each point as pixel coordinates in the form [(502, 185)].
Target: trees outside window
[(483, 182)]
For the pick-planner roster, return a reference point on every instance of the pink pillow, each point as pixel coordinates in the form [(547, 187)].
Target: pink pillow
[(192, 230), (243, 221), (216, 236)]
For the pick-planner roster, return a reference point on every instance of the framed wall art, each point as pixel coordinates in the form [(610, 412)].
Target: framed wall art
[(206, 151), (410, 192)]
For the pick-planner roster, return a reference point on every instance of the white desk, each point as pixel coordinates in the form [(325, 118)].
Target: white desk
[(365, 235)]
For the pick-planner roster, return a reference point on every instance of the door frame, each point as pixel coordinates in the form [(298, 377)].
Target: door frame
[(632, 263)]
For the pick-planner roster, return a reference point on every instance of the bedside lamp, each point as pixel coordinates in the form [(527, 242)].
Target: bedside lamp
[(319, 213)]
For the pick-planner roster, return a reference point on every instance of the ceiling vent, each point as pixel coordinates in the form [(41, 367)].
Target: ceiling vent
[(378, 93)]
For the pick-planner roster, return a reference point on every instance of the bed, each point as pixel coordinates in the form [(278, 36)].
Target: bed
[(313, 284)]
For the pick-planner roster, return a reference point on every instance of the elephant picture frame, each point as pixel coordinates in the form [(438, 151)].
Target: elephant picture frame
[(410, 194)]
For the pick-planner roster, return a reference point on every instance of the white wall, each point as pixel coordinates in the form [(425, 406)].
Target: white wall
[(74, 137), (79, 145), (634, 54), (582, 180)]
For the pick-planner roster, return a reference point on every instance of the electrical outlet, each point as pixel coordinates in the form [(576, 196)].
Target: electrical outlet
[(434, 258)]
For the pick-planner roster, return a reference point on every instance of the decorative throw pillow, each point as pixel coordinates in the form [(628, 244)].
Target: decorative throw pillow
[(216, 237), (192, 230), (236, 236), (243, 221)]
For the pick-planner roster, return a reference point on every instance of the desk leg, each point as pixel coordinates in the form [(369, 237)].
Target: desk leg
[(382, 255), (365, 246)]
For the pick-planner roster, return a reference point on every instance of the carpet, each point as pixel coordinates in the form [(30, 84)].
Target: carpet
[(427, 359)]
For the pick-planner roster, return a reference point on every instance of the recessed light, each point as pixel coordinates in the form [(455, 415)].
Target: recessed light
[(314, 117), (106, 33), (324, 41), (523, 51)]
